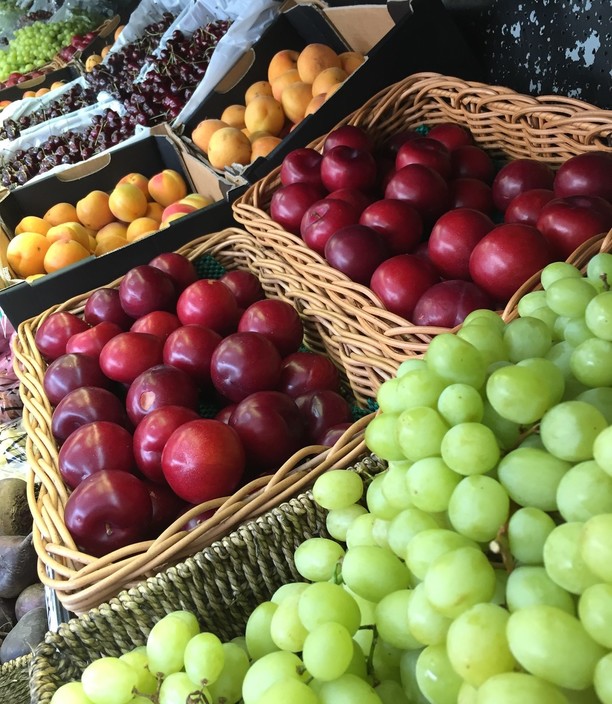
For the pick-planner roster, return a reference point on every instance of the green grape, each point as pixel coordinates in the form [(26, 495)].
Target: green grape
[(316, 558), (409, 364), (488, 340), (560, 354), (459, 579), (527, 337), (430, 483), (325, 602), (602, 679), (598, 265), (407, 671), (227, 688), (506, 431), (558, 331), (373, 572), (501, 581), (570, 296), (428, 545), (529, 585), (481, 315), (337, 488), (381, 437), (602, 450), (328, 651), (584, 491), (563, 559), (70, 693), (391, 692), (531, 477), (346, 690), (137, 659), (388, 397), (286, 629), (339, 520), (531, 440), (391, 616), (549, 371), (358, 665), (470, 448), (595, 613), (204, 658), (598, 315), (366, 607), (601, 398), (376, 500), (420, 387), (109, 680), (467, 694), (360, 532), (257, 632), (476, 644), (436, 677), (289, 690), (518, 688), (288, 589), (519, 394), (528, 529), (569, 429), (405, 526), (555, 271), (386, 661), (552, 644), (271, 668), (425, 623), (460, 403), (420, 431), (166, 643), (531, 301), (394, 486), (590, 362), (478, 508), (380, 530), (547, 316), (576, 331), (177, 688), (596, 546), (456, 360)]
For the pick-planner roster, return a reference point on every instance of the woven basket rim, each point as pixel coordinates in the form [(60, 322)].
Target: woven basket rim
[(81, 581)]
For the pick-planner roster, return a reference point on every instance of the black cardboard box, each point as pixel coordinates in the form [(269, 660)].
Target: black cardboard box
[(400, 37), (148, 156)]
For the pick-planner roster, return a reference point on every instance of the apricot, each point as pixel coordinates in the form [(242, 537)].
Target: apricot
[(327, 79), (167, 186), (40, 92), (138, 180), (93, 210), (264, 114), (56, 84), (283, 60), (256, 135), (256, 89), (295, 100), (233, 116), (281, 82), (92, 243), (315, 58), (118, 31), (69, 231), (263, 146), (197, 200), (351, 60), (109, 244), (332, 90), (92, 61), (179, 207), (61, 212), (5, 104), (171, 219), (32, 223), (315, 104), (105, 50), (154, 211), (229, 146), (141, 226), (29, 94), (127, 202), (114, 229), (25, 253), (203, 132), (63, 253)]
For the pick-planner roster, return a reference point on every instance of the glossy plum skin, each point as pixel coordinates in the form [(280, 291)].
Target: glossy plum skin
[(71, 371), (104, 305), (55, 331), (277, 320), (210, 303), (356, 251), (190, 348), (129, 354), (146, 288), (302, 372), (180, 269)]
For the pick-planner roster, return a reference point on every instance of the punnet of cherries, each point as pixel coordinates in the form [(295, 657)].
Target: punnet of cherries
[(431, 223), (188, 387), (147, 100)]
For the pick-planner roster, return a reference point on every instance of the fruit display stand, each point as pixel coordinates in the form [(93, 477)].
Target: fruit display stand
[(81, 581), (352, 320), (57, 71)]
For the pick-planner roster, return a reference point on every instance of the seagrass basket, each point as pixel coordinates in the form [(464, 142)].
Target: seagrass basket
[(221, 585), (352, 320), (81, 581), (14, 681)]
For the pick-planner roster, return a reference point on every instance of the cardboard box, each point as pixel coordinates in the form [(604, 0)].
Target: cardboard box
[(149, 155), (399, 38), (65, 74)]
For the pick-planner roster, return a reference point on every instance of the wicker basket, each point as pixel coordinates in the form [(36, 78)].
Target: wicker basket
[(222, 584), (81, 581), (352, 320), (14, 681)]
